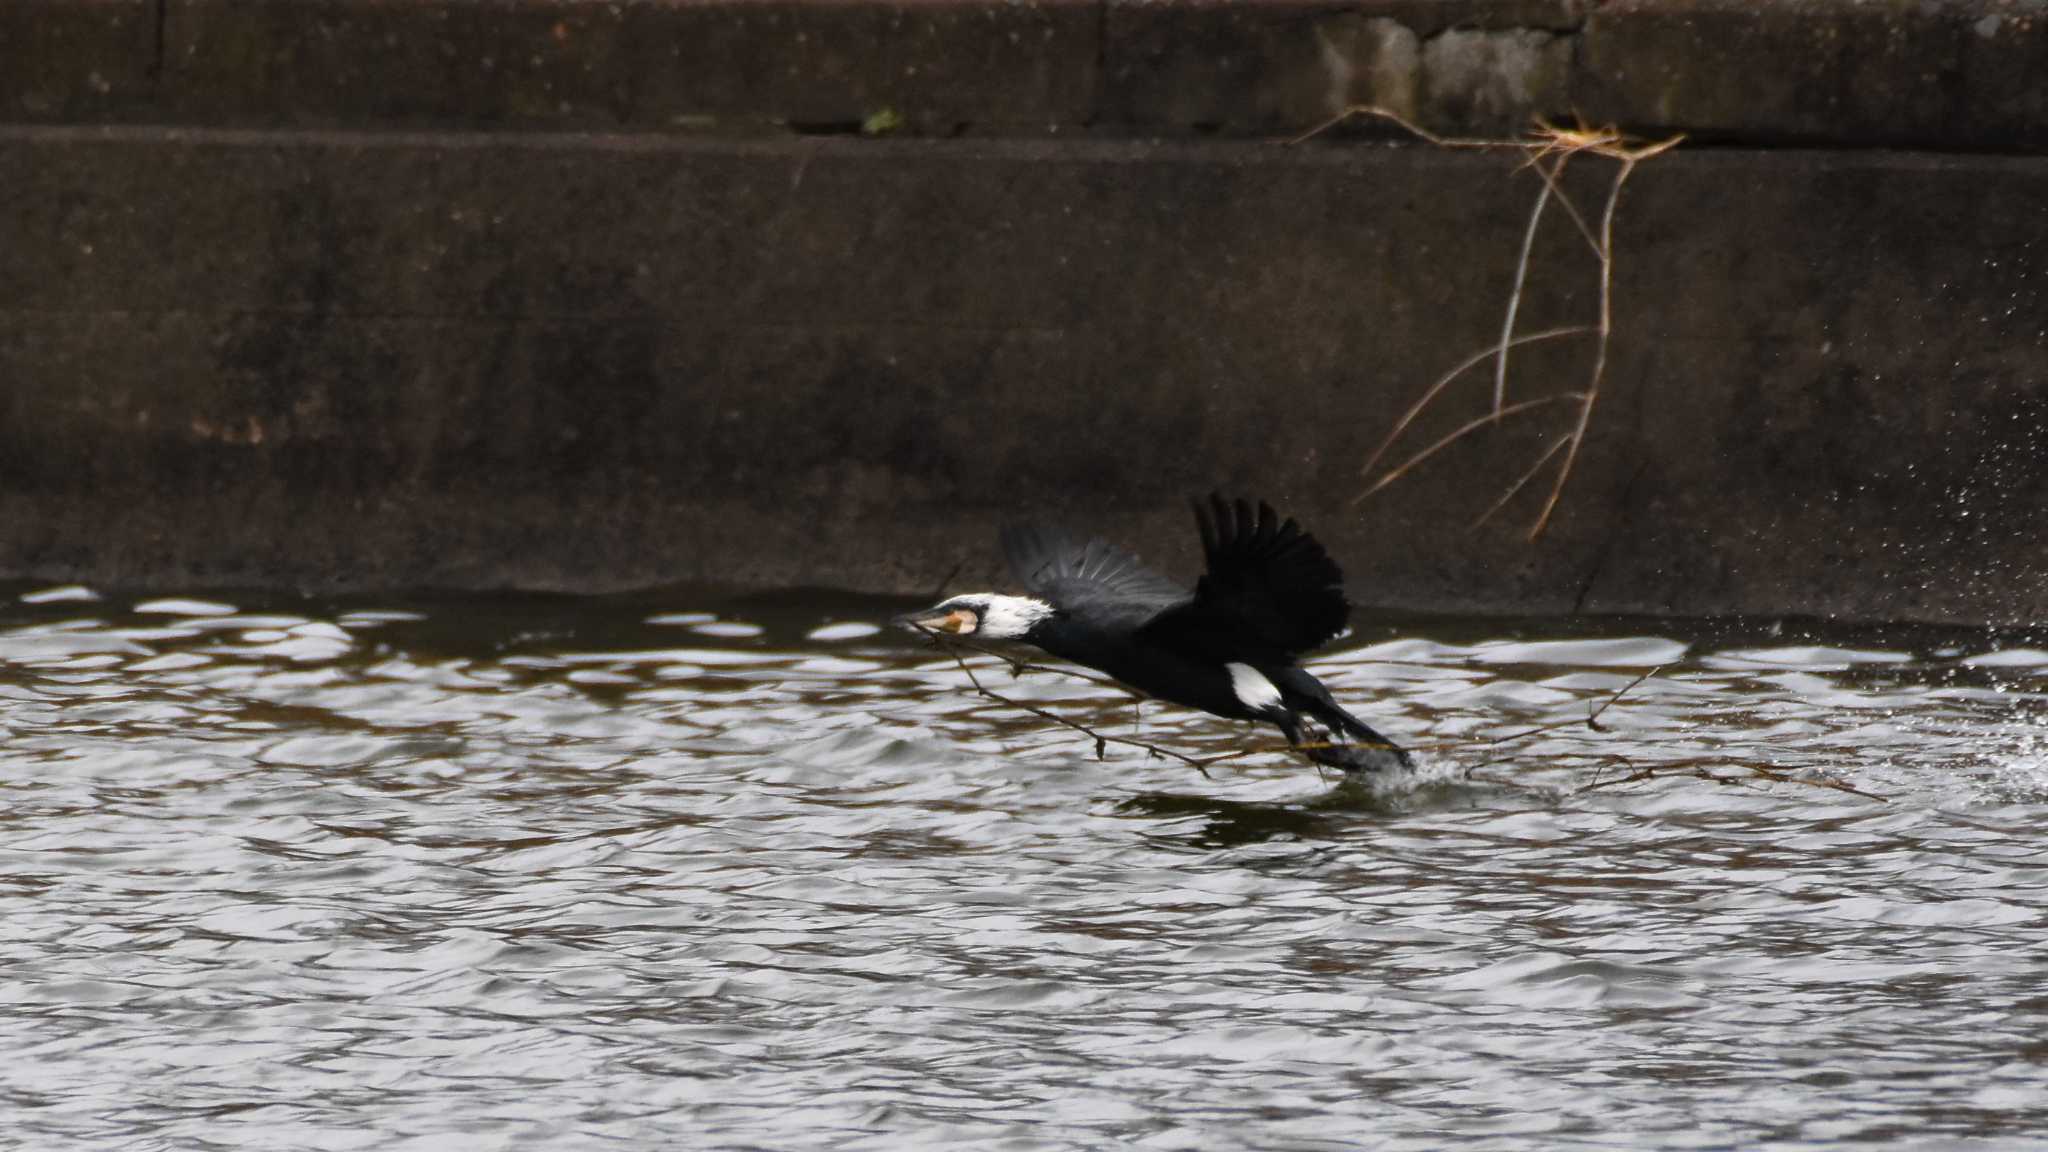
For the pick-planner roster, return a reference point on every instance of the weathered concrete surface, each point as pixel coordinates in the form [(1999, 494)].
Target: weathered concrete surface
[(1958, 74), (573, 361), (77, 59), (676, 65), (1945, 75)]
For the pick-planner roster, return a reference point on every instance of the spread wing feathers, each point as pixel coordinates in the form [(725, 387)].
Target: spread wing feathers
[(1096, 582), (1270, 590)]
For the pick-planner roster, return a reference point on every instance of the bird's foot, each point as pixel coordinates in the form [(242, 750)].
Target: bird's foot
[(1360, 757)]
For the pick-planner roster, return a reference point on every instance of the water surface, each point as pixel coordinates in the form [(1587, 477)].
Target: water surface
[(695, 870)]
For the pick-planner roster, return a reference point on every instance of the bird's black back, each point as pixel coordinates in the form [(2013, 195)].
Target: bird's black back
[(1269, 593)]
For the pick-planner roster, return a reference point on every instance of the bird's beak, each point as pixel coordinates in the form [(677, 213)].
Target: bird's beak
[(955, 622)]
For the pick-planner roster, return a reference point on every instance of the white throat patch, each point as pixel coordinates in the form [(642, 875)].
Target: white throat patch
[(1009, 617), (1252, 689)]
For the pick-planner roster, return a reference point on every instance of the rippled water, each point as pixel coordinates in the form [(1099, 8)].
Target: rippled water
[(696, 871)]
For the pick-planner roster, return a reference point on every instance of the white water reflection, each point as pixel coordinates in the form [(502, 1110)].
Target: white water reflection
[(563, 874)]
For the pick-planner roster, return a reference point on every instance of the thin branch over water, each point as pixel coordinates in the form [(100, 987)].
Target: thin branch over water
[(1700, 768)]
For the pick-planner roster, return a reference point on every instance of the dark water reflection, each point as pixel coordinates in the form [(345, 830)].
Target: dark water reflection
[(689, 871)]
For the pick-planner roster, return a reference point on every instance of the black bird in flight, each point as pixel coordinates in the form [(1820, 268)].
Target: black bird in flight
[(1269, 595)]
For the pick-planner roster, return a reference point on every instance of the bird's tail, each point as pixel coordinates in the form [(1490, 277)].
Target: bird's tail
[(1359, 748)]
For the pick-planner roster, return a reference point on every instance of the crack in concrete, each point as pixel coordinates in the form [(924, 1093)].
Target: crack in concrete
[(159, 50), (1615, 528), (1099, 90), (1624, 507)]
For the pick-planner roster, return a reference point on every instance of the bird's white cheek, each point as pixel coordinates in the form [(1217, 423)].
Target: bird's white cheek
[(1253, 689), (1012, 617)]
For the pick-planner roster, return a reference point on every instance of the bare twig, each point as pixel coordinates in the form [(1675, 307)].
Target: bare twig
[(1697, 768), (1019, 667), (952, 644), (1702, 768), (1592, 721), (1102, 739)]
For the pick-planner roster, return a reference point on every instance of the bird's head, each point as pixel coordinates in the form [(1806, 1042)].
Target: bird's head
[(985, 614)]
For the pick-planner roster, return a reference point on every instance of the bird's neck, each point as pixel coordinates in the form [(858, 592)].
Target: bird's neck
[(1013, 617)]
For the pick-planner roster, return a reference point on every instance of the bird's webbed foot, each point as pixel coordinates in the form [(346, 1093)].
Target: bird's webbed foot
[(1330, 750)]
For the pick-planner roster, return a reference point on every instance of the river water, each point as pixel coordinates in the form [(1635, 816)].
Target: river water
[(694, 870)]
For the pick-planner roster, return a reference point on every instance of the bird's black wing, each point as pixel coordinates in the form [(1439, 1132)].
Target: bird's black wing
[(1096, 583), (1270, 592)]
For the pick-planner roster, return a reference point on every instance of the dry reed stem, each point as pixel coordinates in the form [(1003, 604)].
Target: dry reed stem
[(1445, 380), (1507, 325), (1606, 329), (1523, 481), (1462, 431), (1548, 150), (1550, 181)]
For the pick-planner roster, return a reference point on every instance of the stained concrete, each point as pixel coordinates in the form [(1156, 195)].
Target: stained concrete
[(1959, 74), (582, 295), (585, 361)]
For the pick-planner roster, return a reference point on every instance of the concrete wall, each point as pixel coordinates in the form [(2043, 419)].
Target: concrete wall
[(1948, 75), (356, 294)]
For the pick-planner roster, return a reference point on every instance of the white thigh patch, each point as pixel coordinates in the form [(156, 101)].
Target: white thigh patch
[(1252, 688)]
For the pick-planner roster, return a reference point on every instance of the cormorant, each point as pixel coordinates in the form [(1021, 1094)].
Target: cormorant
[(1270, 594)]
